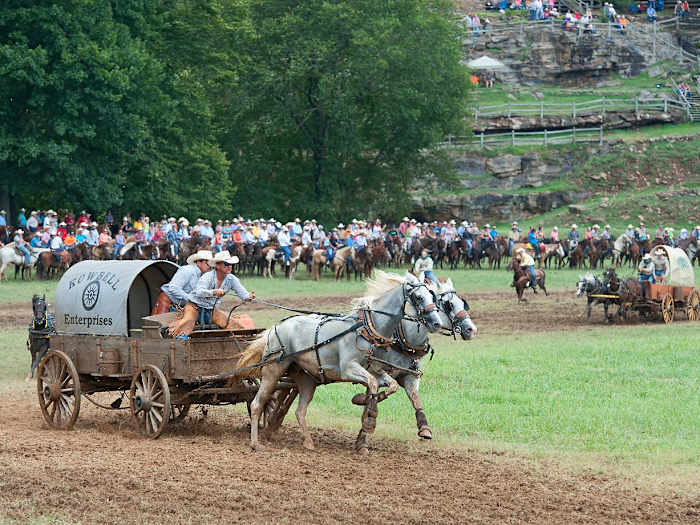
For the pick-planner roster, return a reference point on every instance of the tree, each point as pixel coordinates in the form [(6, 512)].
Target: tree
[(338, 102)]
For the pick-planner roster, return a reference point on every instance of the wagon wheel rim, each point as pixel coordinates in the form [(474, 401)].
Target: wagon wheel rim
[(179, 411), (694, 306), (58, 388), (150, 400), (667, 309)]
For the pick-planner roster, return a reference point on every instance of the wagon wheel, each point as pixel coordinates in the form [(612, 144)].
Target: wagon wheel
[(180, 411), (667, 309), (283, 402), (58, 386), (150, 400), (694, 306)]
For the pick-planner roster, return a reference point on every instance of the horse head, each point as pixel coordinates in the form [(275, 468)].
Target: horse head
[(455, 308), (421, 299), (39, 311)]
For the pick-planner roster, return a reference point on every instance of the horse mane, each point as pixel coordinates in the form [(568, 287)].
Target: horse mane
[(382, 283)]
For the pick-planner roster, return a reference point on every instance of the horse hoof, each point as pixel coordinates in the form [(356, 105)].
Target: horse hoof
[(363, 451), (257, 447), (425, 433), (359, 399)]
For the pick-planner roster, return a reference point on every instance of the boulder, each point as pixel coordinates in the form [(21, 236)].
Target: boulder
[(576, 208), (504, 165)]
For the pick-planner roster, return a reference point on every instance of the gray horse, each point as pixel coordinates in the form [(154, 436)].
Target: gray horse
[(412, 347), (344, 357)]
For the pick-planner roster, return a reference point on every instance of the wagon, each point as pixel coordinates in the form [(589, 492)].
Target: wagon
[(676, 295), (105, 341)]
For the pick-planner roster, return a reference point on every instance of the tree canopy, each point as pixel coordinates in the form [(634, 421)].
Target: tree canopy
[(325, 108)]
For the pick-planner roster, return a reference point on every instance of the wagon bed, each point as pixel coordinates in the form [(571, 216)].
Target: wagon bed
[(106, 341)]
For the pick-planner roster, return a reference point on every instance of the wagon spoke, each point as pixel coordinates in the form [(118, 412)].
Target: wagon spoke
[(157, 395), (156, 415), (158, 405)]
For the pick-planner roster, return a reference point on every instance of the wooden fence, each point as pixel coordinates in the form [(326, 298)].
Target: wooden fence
[(527, 138)]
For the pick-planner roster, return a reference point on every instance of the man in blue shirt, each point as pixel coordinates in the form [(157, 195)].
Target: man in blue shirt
[(3, 218), (21, 219), (534, 242)]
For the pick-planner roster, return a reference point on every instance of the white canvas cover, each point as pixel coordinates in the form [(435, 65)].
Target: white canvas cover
[(681, 271), (109, 297), (485, 62)]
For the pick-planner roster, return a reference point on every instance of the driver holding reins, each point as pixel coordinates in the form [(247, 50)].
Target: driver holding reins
[(211, 287)]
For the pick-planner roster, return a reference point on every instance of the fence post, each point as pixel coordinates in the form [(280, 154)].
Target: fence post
[(636, 105), (509, 109), (601, 135), (512, 137), (680, 52), (481, 140), (609, 29), (522, 32), (653, 46), (603, 105), (678, 25), (573, 136), (541, 108), (545, 138), (573, 109), (665, 104)]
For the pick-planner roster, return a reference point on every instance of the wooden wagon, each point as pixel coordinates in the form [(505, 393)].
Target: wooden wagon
[(676, 295), (105, 340)]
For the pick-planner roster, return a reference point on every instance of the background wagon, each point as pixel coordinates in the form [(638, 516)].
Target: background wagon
[(105, 340), (677, 294)]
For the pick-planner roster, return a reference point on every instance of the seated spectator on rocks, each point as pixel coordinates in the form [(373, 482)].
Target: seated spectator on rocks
[(651, 14), (685, 9), (474, 80), (489, 80), (635, 9)]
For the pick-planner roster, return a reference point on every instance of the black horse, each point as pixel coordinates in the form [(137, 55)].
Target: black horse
[(42, 325)]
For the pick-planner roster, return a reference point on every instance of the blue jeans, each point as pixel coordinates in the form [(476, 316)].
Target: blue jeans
[(117, 247), (27, 254), (533, 281), (430, 275), (204, 316), (643, 278), (330, 253), (511, 243), (287, 253), (469, 246)]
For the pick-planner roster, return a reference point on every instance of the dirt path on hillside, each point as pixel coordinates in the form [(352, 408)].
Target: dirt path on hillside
[(204, 472)]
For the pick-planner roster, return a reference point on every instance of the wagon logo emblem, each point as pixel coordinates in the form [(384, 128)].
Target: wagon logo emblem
[(90, 295)]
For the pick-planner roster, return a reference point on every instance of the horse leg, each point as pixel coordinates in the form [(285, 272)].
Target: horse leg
[(588, 309), (307, 387), (411, 383), (270, 375)]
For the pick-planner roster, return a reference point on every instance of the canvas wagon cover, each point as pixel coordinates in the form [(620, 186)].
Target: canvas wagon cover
[(681, 271), (109, 297)]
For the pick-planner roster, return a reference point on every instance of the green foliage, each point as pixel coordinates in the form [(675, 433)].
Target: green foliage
[(338, 102)]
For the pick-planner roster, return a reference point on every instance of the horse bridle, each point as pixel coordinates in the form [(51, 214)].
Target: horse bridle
[(446, 307)]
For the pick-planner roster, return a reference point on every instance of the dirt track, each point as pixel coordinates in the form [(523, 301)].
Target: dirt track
[(204, 471)]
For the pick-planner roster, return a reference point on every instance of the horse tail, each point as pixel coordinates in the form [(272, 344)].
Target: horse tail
[(252, 355)]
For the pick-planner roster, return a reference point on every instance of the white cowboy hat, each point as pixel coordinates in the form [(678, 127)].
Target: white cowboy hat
[(61, 223), (297, 219), (596, 226), (515, 223), (171, 219), (630, 226), (19, 231), (413, 220), (224, 257), (647, 256), (341, 225), (405, 219), (284, 228), (487, 226), (555, 229), (181, 219), (520, 250), (201, 255), (93, 223), (278, 224), (453, 221), (573, 226), (50, 212), (607, 226)]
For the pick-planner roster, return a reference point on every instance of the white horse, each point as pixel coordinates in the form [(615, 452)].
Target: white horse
[(620, 248), (344, 348), (8, 256)]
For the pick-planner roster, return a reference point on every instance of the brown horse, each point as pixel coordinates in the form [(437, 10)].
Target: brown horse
[(521, 279), (48, 266)]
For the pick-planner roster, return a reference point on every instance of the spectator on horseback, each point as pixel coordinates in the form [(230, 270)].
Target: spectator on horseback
[(493, 232), (104, 237), (93, 237), (534, 242), (21, 219), (3, 218), (573, 236), (69, 242), (57, 246), (683, 235), (513, 237), (35, 242), (696, 233), (527, 263), (119, 242), (284, 242), (425, 264), (630, 232), (218, 242), (80, 236), (360, 241), (606, 234), (554, 236), (21, 245), (62, 230), (32, 222)]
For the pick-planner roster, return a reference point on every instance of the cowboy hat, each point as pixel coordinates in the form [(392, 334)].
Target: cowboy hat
[(405, 219), (224, 257), (647, 256), (630, 226), (555, 229), (201, 255), (573, 226), (607, 226), (341, 225), (520, 250), (19, 231)]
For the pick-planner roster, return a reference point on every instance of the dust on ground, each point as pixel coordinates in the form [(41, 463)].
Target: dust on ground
[(203, 470)]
